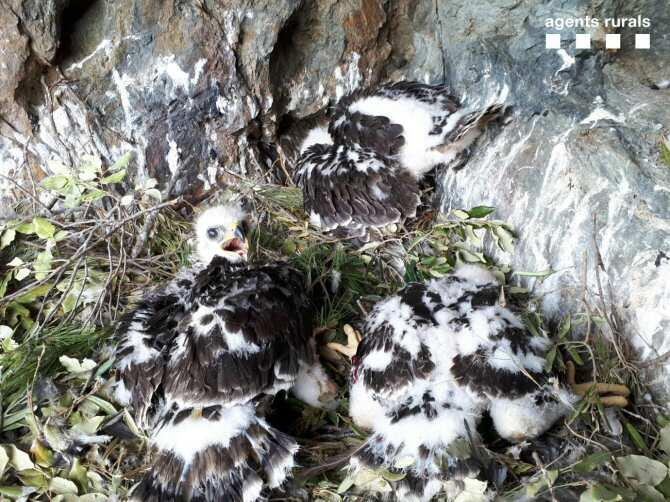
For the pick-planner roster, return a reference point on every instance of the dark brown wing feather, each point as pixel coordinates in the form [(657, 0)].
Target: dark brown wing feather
[(375, 132), (146, 334), (267, 306), (346, 186)]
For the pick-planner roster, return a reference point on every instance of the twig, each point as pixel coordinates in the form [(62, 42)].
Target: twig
[(151, 219), (545, 475), (86, 246), (26, 191), (29, 395)]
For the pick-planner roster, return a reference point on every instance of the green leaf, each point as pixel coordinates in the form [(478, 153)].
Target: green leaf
[(364, 477), (591, 462), (42, 453), (665, 151), (474, 237), (5, 332), (4, 461), (16, 262), (105, 406), (56, 183), (404, 462), (76, 367), (664, 487), (93, 497), (549, 359), (116, 177), (89, 426), (7, 237), (42, 265), (650, 494), (532, 489), (22, 273), (34, 294), (470, 256), (93, 195), (122, 162), (460, 214), (564, 328), (480, 211), (72, 200), (62, 486), (43, 228), (19, 459), (543, 274), (664, 441), (635, 436), (78, 473), (644, 470), (70, 302), (17, 492), (393, 476), (26, 228), (154, 193), (474, 491), (505, 239), (574, 354), (89, 168), (346, 483), (599, 493)]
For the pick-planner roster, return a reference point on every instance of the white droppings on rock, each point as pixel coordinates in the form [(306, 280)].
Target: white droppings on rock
[(350, 80), (299, 93), (122, 82), (601, 113), (567, 60), (106, 45), (173, 156), (169, 67), (252, 109), (197, 70)]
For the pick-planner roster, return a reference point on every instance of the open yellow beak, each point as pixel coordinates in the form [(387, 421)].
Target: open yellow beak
[(235, 242)]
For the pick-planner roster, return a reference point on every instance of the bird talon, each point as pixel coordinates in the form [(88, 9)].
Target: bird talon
[(614, 395), (345, 350), (353, 339), (353, 336)]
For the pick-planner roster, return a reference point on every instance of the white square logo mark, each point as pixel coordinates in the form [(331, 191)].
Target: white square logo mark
[(583, 41), (612, 41), (553, 41), (642, 41)]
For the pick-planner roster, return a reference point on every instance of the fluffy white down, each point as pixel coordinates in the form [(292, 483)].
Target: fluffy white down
[(519, 419), (317, 136), (252, 490), (454, 404), (122, 394), (416, 118), (364, 409), (135, 338), (314, 387), (195, 434), (278, 473)]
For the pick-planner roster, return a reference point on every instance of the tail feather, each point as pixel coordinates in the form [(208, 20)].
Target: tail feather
[(476, 120), (233, 455)]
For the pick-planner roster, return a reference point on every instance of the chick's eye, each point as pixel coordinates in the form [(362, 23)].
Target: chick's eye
[(212, 233)]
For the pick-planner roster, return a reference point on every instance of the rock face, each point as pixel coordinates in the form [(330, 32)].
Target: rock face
[(579, 164), (198, 90)]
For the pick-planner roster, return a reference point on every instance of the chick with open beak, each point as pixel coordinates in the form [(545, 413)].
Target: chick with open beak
[(222, 231)]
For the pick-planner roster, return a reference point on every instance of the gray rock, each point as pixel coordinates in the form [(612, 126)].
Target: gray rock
[(578, 165)]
